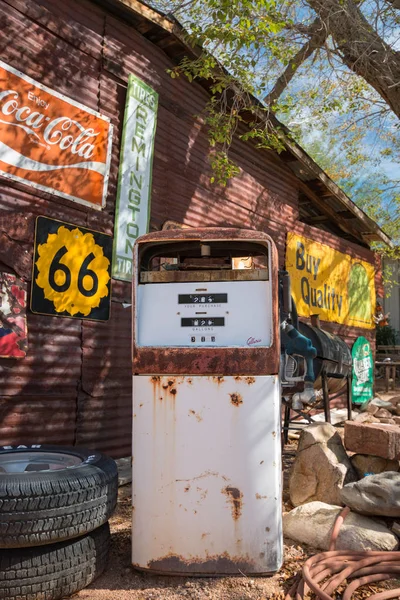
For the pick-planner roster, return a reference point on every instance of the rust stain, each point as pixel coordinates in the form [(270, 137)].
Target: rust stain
[(171, 382), (189, 380), (204, 535), (236, 399), (259, 497), (250, 380), (187, 488), (238, 378), (155, 379), (172, 391), (203, 493), (205, 474), (140, 405), (261, 462), (199, 418), (274, 434), (267, 529), (208, 565), (165, 386), (218, 379), (235, 498)]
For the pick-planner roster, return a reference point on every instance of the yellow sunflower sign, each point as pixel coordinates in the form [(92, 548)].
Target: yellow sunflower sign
[(334, 285), (71, 271)]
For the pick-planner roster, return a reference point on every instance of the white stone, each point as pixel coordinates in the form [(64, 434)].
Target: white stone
[(374, 495), (313, 523), (321, 467)]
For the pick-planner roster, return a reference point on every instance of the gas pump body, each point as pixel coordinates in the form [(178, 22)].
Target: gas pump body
[(206, 396)]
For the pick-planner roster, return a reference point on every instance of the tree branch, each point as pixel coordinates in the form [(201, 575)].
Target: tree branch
[(318, 34), (394, 3), (361, 48)]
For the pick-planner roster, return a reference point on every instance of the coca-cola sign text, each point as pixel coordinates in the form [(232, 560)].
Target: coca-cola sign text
[(51, 142)]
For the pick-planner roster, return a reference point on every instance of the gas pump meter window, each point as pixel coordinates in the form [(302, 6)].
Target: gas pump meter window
[(204, 294)]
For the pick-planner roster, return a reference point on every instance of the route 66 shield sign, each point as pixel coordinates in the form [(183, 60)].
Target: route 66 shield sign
[(71, 271)]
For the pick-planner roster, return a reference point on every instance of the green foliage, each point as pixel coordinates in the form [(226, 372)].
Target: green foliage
[(386, 336), (244, 46)]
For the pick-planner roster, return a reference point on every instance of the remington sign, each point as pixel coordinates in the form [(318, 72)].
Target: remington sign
[(134, 180)]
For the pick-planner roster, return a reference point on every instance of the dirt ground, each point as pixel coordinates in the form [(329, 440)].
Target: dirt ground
[(121, 582)]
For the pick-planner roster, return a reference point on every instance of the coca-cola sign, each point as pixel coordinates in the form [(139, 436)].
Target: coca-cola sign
[(51, 142)]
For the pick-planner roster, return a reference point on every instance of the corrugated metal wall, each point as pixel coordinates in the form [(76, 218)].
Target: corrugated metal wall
[(75, 384)]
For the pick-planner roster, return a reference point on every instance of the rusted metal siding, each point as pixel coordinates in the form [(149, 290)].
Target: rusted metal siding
[(263, 196), (73, 386)]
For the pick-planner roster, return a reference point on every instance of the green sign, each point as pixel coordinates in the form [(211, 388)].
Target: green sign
[(363, 374), (135, 170)]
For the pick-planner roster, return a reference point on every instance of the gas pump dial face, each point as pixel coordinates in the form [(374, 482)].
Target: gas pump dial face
[(202, 298), (203, 322)]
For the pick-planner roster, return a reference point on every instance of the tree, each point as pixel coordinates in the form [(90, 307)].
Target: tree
[(326, 65)]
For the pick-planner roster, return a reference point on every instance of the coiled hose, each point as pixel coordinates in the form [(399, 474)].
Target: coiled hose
[(325, 572)]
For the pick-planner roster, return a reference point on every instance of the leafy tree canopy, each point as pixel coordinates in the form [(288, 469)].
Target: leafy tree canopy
[(329, 69)]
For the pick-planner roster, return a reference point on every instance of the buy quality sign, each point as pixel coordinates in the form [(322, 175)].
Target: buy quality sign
[(51, 142), (71, 271)]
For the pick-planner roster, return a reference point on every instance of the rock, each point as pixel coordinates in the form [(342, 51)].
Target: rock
[(321, 467), (374, 495), (390, 421), (396, 528), (312, 524), (377, 439), (372, 408), (396, 420), (379, 403), (398, 409), (382, 412), (366, 464), (366, 417)]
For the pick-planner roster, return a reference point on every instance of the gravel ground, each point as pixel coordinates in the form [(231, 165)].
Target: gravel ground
[(121, 582)]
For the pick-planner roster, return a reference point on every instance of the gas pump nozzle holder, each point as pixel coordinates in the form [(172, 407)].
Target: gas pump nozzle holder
[(206, 427)]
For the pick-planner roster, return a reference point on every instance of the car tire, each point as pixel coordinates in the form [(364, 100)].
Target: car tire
[(62, 493), (54, 571)]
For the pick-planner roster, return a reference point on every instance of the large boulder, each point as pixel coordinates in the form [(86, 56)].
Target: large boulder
[(365, 464), (321, 467), (374, 495), (313, 523)]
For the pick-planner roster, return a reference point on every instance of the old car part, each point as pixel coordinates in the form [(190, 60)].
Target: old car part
[(53, 493), (54, 571)]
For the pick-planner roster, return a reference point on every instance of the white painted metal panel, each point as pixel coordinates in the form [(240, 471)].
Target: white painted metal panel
[(247, 314), (207, 474)]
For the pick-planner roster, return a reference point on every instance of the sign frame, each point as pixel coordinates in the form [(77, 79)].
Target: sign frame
[(140, 200), (36, 289), (332, 283), (48, 189), (363, 363)]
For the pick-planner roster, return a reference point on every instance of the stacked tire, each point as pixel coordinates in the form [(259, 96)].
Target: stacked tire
[(55, 503)]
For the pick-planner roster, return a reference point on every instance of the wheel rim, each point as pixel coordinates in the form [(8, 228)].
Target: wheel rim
[(31, 462)]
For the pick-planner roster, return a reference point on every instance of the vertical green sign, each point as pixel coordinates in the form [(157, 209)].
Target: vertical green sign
[(363, 374), (134, 179)]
